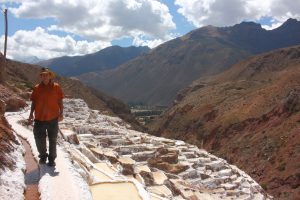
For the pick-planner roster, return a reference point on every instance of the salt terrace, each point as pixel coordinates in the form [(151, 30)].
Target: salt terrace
[(116, 160)]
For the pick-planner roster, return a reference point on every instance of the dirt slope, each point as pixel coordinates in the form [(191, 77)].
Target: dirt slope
[(249, 115)]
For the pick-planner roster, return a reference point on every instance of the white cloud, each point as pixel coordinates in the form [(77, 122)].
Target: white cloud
[(102, 19), (39, 43), (229, 12), (140, 40)]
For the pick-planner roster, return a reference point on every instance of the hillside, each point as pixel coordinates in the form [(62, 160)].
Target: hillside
[(107, 58), (249, 115), (155, 78)]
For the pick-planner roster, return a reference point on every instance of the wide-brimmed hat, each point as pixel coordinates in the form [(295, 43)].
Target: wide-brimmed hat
[(45, 70)]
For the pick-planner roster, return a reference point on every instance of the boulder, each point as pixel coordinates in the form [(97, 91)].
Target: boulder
[(14, 104), (25, 95), (167, 167), (69, 136), (127, 165), (159, 177), (167, 160), (107, 154), (148, 178)]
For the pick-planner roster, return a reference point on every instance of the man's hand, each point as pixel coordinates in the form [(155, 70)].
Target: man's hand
[(30, 119), (60, 118)]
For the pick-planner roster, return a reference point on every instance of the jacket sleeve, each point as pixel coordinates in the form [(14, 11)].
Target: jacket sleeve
[(33, 94), (60, 93)]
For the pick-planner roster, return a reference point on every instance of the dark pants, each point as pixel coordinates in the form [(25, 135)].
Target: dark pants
[(40, 130)]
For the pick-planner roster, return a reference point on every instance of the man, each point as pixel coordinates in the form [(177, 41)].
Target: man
[(47, 107)]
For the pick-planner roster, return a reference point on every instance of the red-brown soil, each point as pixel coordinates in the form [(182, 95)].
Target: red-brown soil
[(7, 137), (32, 174)]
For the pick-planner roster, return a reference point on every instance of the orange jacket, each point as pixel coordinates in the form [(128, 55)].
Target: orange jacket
[(46, 99)]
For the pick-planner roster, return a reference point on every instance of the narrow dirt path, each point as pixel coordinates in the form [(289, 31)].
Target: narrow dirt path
[(32, 174)]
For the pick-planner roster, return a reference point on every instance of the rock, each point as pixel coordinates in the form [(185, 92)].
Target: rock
[(225, 172), (159, 177), (141, 168), (229, 186), (167, 160), (143, 156), (170, 158), (174, 185), (189, 174), (90, 145), (69, 136), (170, 168), (109, 154), (204, 196), (148, 178), (245, 184), (189, 194), (233, 192), (161, 190), (25, 95), (219, 190), (245, 197), (246, 191), (167, 155), (204, 176), (88, 154), (105, 142), (210, 183), (140, 179), (127, 164), (14, 104), (215, 165)]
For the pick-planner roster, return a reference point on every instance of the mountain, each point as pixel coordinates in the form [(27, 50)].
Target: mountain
[(249, 115), (156, 77), (107, 58), (29, 60)]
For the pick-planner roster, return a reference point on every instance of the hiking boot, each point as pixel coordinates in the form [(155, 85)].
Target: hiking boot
[(51, 163), (42, 161)]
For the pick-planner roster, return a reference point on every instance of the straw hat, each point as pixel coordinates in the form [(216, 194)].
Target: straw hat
[(45, 70)]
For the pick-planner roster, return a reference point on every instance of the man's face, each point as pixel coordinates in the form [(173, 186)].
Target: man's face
[(45, 77)]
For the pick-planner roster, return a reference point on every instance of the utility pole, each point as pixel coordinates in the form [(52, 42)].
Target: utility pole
[(3, 61), (6, 30)]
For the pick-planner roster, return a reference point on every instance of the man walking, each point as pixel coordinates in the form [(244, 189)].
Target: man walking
[(47, 107)]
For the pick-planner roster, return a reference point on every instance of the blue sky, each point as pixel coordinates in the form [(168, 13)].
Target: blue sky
[(46, 29)]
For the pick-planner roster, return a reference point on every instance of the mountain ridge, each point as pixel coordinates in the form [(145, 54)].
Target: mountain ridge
[(107, 58), (156, 77)]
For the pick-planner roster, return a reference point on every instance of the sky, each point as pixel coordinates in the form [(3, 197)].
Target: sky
[(46, 29)]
